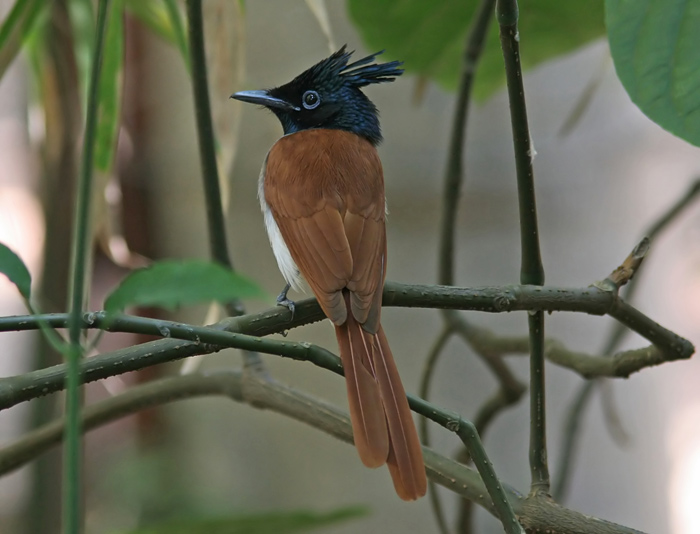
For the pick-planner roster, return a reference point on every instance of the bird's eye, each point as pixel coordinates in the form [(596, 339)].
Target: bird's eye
[(311, 99)]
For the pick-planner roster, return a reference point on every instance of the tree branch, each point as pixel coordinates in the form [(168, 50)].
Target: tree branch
[(240, 332), (583, 395), (263, 393), (495, 299)]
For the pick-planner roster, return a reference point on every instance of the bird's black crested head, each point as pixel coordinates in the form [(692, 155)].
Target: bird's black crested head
[(328, 95)]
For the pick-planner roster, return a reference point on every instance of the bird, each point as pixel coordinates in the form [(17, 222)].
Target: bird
[(321, 191)]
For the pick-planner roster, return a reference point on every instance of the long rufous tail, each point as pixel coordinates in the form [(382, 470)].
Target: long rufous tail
[(381, 419)]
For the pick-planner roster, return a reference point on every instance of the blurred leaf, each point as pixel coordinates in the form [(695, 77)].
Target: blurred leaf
[(15, 29), (82, 18), (110, 89), (224, 30), (319, 11), (655, 45), (268, 523), (153, 14), (15, 269), (163, 17), (429, 36), (178, 26), (171, 283)]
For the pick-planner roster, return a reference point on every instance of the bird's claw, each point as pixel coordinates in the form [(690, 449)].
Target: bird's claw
[(289, 304), (282, 300)]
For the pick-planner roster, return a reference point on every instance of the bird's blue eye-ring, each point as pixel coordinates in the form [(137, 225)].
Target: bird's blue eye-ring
[(310, 100)]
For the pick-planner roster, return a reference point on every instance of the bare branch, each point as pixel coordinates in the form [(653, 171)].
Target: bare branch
[(193, 340), (536, 515), (579, 403)]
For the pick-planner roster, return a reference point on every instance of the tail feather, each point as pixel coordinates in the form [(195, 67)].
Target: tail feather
[(368, 423), (405, 459), (381, 419)]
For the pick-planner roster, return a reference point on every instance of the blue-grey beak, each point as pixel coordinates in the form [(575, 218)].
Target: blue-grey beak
[(263, 98)]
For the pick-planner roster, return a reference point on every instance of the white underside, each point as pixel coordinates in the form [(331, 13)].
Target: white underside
[(286, 264)]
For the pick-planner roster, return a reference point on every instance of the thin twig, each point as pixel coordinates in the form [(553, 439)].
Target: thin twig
[(583, 395), (454, 170), (426, 377), (512, 387), (627, 269), (424, 392), (474, 45), (531, 271)]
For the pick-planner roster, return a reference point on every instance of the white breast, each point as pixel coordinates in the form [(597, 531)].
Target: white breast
[(286, 264)]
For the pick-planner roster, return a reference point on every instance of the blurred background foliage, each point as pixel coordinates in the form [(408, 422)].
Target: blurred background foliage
[(599, 185)]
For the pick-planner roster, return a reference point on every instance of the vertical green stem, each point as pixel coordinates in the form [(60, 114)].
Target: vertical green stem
[(207, 147), (72, 517), (474, 46), (218, 245), (531, 271)]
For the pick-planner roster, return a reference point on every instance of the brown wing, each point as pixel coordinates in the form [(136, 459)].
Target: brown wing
[(325, 189)]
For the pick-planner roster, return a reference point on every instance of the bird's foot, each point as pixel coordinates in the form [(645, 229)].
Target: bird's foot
[(282, 300)]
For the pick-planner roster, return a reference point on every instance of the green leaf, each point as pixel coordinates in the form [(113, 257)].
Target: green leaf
[(15, 269), (110, 89), (171, 283), (655, 45), (15, 29), (268, 523), (430, 36)]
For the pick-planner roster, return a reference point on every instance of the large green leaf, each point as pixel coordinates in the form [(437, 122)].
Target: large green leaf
[(429, 36), (110, 88), (268, 523), (15, 269), (172, 283), (16, 28), (655, 45)]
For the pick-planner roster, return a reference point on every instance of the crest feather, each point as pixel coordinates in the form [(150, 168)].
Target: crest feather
[(359, 73)]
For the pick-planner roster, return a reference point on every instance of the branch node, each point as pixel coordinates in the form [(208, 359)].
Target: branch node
[(625, 272)]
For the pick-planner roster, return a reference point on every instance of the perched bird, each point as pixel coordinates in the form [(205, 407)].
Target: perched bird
[(321, 190)]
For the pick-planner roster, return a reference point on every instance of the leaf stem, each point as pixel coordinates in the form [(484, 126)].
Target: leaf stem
[(72, 517)]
